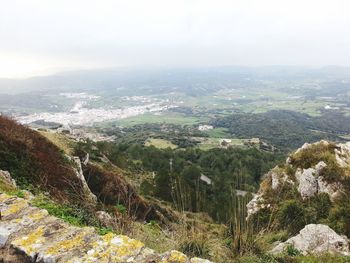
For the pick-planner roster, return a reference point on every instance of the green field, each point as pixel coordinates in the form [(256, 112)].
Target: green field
[(160, 143), (165, 117), (211, 143), (218, 133)]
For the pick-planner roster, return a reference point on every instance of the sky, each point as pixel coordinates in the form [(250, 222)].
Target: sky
[(39, 37)]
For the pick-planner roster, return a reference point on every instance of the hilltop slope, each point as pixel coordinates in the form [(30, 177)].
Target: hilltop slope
[(311, 187)]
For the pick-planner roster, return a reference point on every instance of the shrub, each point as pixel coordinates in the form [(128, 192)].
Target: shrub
[(72, 214), (315, 153), (339, 217), (317, 208), (33, 159), (195, 246), (291, 216)]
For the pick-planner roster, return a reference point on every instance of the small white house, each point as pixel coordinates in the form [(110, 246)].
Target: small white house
[(205, 178), (205, 127)]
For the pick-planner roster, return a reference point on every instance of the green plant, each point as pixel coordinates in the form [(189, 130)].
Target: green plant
[(121, 208), (104, 230), (74, 215), (291, 216), (19, 193), (292, 251), (195, 246)]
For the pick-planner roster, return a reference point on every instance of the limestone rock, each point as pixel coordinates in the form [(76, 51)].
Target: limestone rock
[(307, 182), (311, 183), (278, 177), (316, 239), (5, 176), (254, 205), (80, 175), (342, 154), (29, 234), (105, 219)]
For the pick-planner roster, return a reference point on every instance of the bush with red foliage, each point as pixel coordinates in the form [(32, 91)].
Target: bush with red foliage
[(33, 159), (112, 189)]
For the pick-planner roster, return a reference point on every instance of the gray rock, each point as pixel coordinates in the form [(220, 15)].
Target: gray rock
[(6, 177), (105, 218), (31, 233), (342, 154), (307, 182), (5, 232), (316, 239), (80, 175), (255, 204)]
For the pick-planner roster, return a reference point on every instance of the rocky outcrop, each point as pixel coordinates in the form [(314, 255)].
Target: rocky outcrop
[(276, 177), (342, 154), (29, 234), (79, 172), (316, 239), (255, 205), (311, 183), (308, 176)]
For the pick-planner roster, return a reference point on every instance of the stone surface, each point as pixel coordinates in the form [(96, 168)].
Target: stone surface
[(342, 154), (307, 182), (80, 175), (311, 183), (254, 205), (277, 178), (29, 234), (316, 239), (105, 219), (7, 179)]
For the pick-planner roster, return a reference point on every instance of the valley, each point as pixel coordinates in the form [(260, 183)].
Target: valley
[(184, 157)]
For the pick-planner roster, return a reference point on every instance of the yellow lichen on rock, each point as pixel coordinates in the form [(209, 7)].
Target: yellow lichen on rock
[(112, 248), (31, 242), (15, 207), (38, 235), (67, 244), (4, 197), (38, 215), (176, 256)]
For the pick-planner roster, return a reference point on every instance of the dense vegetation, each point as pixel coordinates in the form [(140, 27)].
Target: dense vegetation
[(287, 130), (177, 173), (33, 160)]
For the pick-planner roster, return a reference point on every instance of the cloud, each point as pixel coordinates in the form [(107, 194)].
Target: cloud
[(40, 34)]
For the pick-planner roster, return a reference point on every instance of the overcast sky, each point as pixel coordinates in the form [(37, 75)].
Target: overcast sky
[(44, 36)]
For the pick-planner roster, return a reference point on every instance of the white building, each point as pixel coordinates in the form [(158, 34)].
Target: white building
[(205, 127)]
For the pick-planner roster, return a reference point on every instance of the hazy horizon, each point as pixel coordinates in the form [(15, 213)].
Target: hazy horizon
[(43, 38)]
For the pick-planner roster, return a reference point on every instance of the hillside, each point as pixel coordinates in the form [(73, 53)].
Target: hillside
[(311, 187), (113, 191), (86, 192)]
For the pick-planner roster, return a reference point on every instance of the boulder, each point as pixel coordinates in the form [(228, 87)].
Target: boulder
[(29, 234), (105, 219), (316, 239)]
